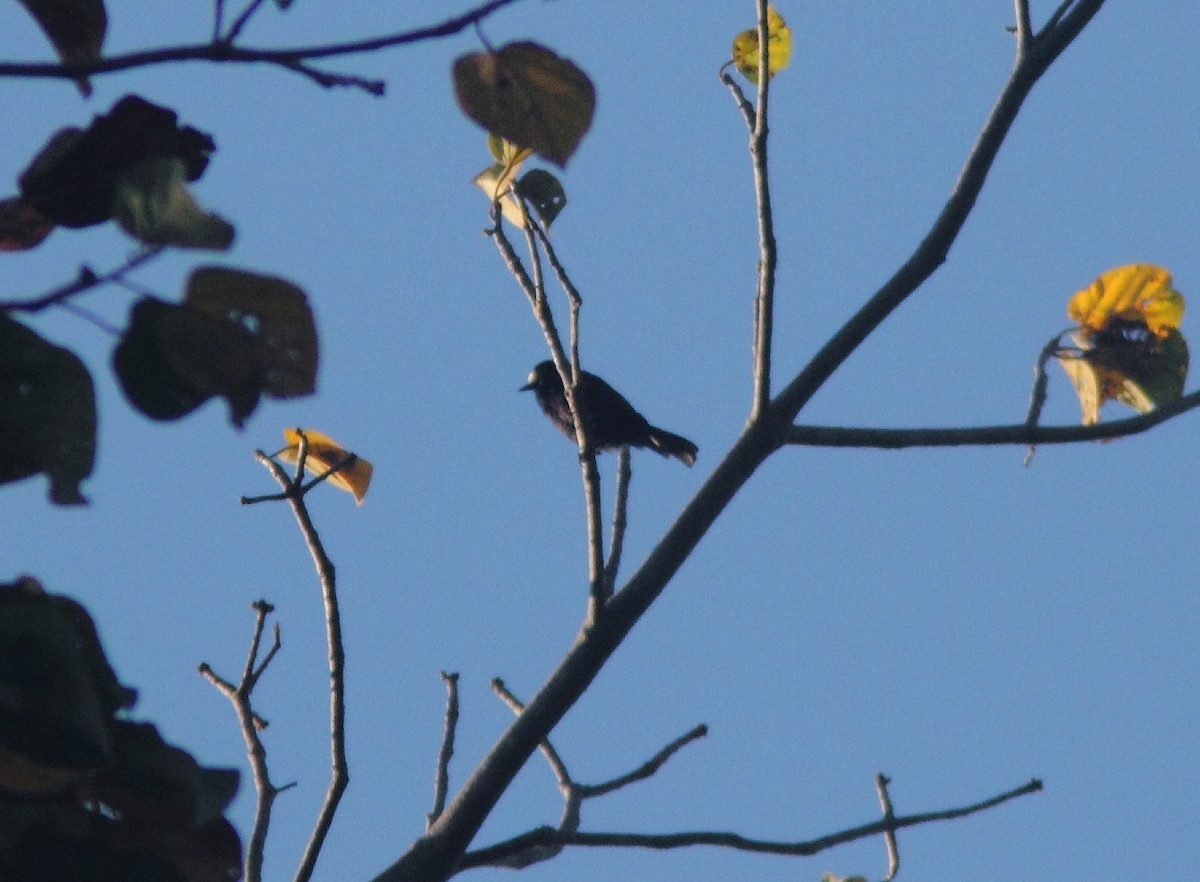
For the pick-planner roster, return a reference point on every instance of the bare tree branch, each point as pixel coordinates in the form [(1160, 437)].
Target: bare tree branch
[(616, 544), (437, 856), (441, 780), (294, 491), (573, 793), (544, 837), (535, 292), (1021, 433), (224, 52), (251, 724), (932, 252), (889, 835), (87, 280)]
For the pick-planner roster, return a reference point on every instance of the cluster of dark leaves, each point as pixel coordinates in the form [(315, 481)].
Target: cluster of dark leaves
[(236, 335), (86, 794)]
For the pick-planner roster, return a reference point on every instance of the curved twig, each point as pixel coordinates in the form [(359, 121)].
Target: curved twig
[(221, 51), (1020, 433), (545, 837)]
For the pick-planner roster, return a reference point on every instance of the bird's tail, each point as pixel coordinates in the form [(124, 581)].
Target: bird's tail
[(669, 444)]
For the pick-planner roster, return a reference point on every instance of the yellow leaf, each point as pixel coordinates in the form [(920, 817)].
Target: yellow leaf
[(527, 94), (779, 45), (1138, 292), (496, 180), (324, 454)]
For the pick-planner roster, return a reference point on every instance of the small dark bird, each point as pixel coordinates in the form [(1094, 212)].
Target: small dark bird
[(612, 421)]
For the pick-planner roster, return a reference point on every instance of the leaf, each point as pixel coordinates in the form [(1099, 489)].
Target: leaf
[(354, 477), (527, 94), (72, 181), (237, 335), (47, 413), (152, 204), (21, 225), (75, 27), (1126, 364), (57, 692), (274, 312), (496, 180), (779, 44), (1138, 292), (544, 192)]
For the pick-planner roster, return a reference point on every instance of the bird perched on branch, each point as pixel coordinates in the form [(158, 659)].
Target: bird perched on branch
[(612, 421)]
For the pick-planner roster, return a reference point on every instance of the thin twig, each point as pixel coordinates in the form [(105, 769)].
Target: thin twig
[(978, 436), (251, 724), (222, 52), (619, 523), (517, 707), (889, 817), (441, 778), (573, 792), (1041, 384), (535, 293), (242, 20), (87, 279), (568, 287), (764, 300), (294, 491), (545, 837), (648, 768)]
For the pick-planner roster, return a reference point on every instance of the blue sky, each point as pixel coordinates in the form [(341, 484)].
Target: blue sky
[(948, 617)]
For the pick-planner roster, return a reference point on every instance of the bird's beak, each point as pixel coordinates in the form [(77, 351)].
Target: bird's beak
[(526, 388)]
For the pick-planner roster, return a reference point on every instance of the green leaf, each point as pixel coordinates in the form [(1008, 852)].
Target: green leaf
[(527, 94), (47, 413), (151, 203)]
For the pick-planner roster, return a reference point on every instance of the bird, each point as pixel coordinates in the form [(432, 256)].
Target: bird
[(612, 420)]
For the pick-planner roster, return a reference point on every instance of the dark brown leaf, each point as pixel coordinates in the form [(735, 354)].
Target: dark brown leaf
[(75, 27), (527, 94), (21, 225)]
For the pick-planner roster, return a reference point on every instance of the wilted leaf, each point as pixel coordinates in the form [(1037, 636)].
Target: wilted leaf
[(21, 225), (1126, 363), (544, 192), (527, 94), (47, 413), (72, 181), (1138, 292), (779, 45), (324, 454), (151, 203), (75, 27)]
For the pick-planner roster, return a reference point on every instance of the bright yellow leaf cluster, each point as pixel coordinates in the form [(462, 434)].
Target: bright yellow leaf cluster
[(324, 454), (1128, 347), (1137, 293), (779, 47)]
